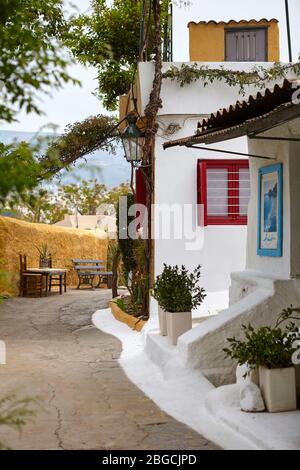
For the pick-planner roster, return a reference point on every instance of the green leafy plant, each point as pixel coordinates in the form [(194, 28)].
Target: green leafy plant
[(15, 412), (259, 76), (139, 280), (271, 347), (108, 38), (44, 253), (121, 304), (126, 243), (33, 58), (79, 139), (114, 265), (178, 290)]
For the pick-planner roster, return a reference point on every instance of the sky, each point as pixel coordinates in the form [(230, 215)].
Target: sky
[(75, 103)]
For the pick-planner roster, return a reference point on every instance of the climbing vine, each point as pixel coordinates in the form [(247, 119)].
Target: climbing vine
[(257, 76), (78, 140)]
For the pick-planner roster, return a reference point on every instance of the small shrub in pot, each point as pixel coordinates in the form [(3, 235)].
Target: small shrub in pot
[(178, 292), (271, 350)]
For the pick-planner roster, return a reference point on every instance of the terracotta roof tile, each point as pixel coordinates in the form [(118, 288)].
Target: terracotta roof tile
[(262, 20), (262, 111)]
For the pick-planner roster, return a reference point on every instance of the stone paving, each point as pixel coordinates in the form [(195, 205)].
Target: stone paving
[(85, 400)]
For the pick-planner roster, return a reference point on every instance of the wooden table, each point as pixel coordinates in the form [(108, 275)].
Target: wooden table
[(47, 272)]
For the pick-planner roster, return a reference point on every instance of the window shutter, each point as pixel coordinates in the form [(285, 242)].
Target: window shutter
[(141, 189), (246, 45), (223, 192), (201, 194)]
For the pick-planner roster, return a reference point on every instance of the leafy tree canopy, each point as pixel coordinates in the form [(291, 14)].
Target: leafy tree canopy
[(21, 167), (32, 55), (115, 193), (38, 206), (19, 170), (109, 39), (79, 139), (85, 198), (88, 196), (43, 205)]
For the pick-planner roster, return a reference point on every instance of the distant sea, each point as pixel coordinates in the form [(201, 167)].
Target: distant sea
[(108, 169)]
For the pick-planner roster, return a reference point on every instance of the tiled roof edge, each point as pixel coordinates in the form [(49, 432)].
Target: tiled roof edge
[(262, 20)]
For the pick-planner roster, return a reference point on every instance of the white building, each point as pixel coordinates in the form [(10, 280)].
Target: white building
[(100, 225), (217, 241), (270, 281)]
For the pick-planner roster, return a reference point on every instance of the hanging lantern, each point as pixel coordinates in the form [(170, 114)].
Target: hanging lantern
[(133, 140)]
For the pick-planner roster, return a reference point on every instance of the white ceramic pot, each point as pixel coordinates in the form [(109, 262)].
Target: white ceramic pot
[(162, 318), (278, 388), (177, 324)]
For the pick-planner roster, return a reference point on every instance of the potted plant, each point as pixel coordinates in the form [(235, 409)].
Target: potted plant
[(271, 350), (158, 294), (178, 293), (44, 255)]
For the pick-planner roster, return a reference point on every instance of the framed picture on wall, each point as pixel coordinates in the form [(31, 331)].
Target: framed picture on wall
[(270, 210)]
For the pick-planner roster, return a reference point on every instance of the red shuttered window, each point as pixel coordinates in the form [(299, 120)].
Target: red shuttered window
[(223, 191)]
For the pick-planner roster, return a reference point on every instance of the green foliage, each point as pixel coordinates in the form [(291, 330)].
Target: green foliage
[(121, 304), (138, 284), (24, 169), (109, 39), (33, 60), (127, 244), (266, 346), (42, 205), (113, 81), (86, 197), (19, 170), (114, 194), (114, 264), (15, 412), (80, 139), (135, 264), (259, 76), (44, 252), (37, 206), (32, 56), (177, 290), (4, 281)]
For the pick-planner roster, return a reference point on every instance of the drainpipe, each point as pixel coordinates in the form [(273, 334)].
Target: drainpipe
[(288, 25)]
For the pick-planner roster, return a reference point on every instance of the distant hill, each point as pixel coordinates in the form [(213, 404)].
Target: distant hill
[(108, 169)]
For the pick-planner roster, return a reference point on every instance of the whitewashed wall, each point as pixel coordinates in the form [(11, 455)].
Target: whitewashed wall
[(268, 285), (219, 249), (287, 153), (194, 98), (224, 247)]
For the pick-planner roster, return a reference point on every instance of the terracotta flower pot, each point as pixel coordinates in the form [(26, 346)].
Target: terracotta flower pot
[(177, 324), (162, 318), (278, 387)]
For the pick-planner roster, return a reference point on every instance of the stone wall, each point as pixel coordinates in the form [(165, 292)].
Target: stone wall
[(19, 237)]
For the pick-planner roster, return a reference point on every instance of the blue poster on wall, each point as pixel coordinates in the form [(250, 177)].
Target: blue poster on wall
[(270, 210)]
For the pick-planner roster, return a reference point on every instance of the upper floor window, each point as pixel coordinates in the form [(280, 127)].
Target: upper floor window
[(223, 192), (246, 45)]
